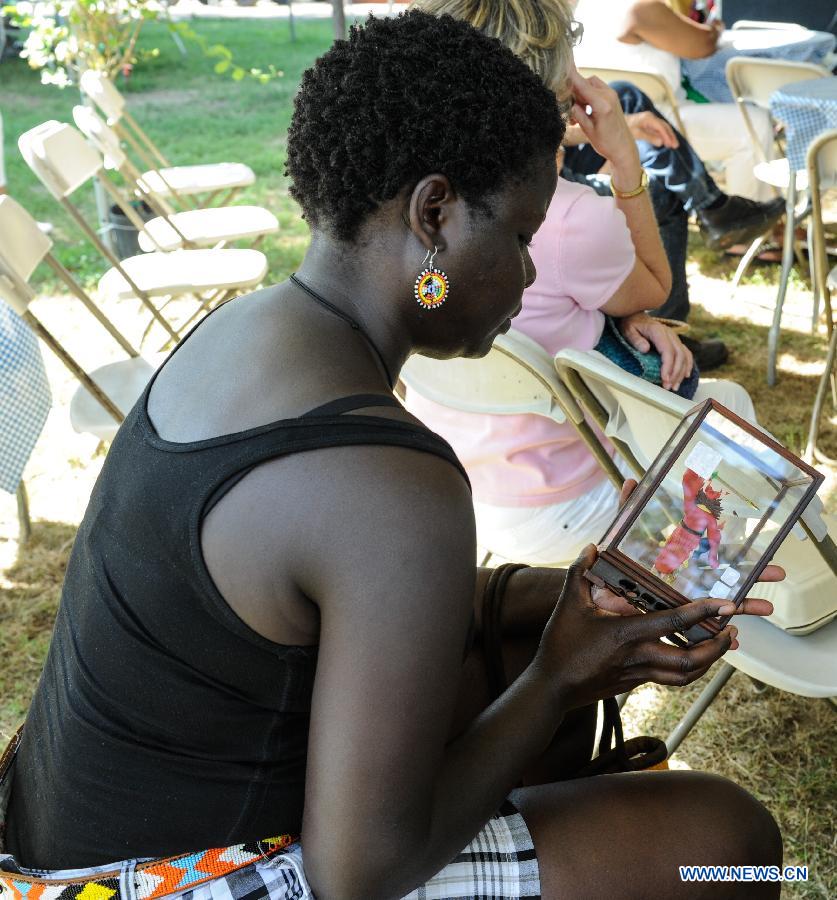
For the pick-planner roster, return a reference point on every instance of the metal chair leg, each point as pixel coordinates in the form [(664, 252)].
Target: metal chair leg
[(828, 373), (787, 263), (24, 521), (699, 707)]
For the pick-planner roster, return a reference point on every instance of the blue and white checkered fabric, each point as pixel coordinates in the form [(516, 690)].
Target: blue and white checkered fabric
[(807, 108), (708, 76), (25, 397)]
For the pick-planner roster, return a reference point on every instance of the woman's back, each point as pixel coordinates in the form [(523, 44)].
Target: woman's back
[(164, 694)]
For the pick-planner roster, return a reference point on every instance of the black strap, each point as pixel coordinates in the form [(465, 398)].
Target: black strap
[(355, 401), (691, 530)]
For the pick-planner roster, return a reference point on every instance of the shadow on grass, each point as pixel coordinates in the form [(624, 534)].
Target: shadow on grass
[(29, 593)]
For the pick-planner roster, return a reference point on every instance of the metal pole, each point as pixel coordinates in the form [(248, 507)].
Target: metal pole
[(102, 205), (292, 21), (339, 18), (699, 707), (23, 517)]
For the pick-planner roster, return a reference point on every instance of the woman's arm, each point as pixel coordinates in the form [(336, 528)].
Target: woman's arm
[(388, 800), (656, 24), (649, 283)]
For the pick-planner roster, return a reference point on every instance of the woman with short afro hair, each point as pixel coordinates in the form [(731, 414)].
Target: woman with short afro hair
[(267, 643)]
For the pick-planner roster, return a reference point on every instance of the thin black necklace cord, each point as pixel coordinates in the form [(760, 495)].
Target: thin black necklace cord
[(356, 326)]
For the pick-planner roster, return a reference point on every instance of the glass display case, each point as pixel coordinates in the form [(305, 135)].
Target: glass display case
[(707, 517)]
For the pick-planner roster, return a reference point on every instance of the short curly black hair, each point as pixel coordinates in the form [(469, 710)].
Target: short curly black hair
[(407, 96)]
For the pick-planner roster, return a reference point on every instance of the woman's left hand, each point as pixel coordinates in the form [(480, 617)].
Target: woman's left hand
[(644, 332)]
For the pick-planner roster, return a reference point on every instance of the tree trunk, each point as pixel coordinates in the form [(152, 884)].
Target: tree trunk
[(339, 17)]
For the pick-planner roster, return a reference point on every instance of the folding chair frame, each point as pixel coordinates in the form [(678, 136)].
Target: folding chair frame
[(821, 288)]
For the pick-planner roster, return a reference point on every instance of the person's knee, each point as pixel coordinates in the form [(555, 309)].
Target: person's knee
[(743, 826)]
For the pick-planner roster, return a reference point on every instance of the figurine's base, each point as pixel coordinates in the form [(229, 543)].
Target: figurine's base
[(642, 597)]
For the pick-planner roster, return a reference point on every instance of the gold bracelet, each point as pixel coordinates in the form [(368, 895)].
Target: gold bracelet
[(626, 195)]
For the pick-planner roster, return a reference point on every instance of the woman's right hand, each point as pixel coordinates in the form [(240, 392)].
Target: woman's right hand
[(605, 126), (589, 654)]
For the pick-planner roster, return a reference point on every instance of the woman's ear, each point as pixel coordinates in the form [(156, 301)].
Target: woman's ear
[(429, 210)]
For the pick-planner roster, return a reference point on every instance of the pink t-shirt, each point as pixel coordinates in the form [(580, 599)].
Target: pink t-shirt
[(583, 252)]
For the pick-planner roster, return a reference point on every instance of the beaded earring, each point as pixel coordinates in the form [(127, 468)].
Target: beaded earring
[(432, 284)]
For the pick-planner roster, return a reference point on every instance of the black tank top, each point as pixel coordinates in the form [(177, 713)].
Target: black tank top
[(158, 706)]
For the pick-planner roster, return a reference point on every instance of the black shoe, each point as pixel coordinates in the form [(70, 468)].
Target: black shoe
[(708, 354), (738, 221)]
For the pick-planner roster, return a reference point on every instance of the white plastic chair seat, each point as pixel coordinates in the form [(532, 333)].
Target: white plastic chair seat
[(123, 382), (777, 173), (206, 227), (186, 272), (797, 599), (804, 665), (199, 179)]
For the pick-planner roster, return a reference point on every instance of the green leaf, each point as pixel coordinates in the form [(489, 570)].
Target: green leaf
[(238, 73), (222, 66)]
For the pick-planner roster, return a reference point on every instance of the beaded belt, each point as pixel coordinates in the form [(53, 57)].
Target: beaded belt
[(151, 879)]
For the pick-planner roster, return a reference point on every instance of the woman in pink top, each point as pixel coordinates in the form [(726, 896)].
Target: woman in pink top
[(539, 496)]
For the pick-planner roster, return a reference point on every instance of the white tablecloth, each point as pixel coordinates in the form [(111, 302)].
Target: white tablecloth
[(708, 75), (807, 108)]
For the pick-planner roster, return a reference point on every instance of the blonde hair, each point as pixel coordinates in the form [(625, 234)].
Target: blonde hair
[(540, 32)]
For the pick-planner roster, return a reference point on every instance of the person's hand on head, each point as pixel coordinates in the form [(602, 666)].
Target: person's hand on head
[(604, 125), (646, 333), (645, 126)]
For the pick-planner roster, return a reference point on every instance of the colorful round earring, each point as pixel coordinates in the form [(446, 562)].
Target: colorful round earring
[(432, 284)]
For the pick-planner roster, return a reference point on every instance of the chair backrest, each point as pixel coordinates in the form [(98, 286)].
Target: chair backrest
[(640, 414), (517, 376), (59, 155), (653, 84), (753, 80), (22, 247), (100, 135), (99, 88), (822, 174), (822, 159)]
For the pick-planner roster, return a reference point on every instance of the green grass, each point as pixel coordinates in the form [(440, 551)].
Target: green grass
[(192, 114)]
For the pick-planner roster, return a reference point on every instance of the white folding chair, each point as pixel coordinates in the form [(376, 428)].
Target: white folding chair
[(179, 182), (640, 417), (105, 394), (822, 174), (517, 376), (64, 161), (210, 227), (654, 85), (752, 81)]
